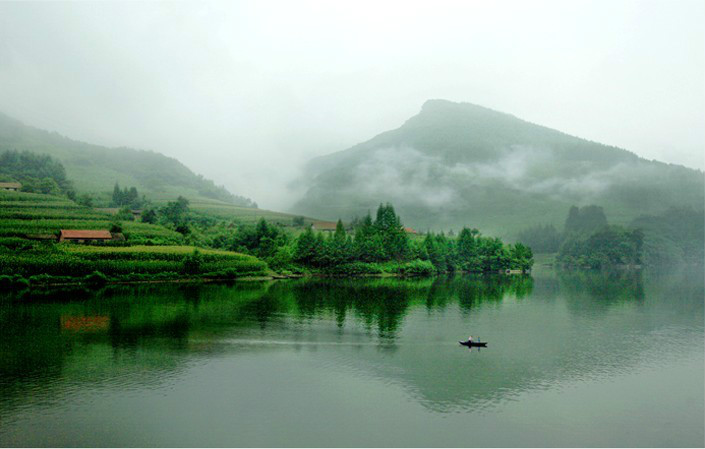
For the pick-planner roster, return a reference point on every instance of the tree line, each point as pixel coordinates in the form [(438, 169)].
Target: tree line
[(36, 173), (372, 244), (588, 240)]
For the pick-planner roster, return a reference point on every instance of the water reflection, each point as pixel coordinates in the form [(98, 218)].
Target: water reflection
[(541, 329)]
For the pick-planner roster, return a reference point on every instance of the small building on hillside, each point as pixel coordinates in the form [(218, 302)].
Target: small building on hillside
[(409, 230), (84, 236), (327, 226), (10, 186)]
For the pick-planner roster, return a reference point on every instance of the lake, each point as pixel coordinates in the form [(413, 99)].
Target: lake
[(573, 359)]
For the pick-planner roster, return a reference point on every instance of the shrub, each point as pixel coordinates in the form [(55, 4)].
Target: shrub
[(193, 262), (96, 278), (414, 268)]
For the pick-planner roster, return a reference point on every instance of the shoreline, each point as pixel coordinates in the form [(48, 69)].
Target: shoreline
[(271, 277)]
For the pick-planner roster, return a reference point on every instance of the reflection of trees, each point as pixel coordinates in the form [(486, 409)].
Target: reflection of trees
[(601, 289), (475, 290), (33, 344), (376, 302), (162, 317), (164, 321), (261, 310), (31, 348), (384, 302)]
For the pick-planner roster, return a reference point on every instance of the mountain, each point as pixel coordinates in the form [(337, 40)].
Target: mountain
[(95, 168), (458, 164)]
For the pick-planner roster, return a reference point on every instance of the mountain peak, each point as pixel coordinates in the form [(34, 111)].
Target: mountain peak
[(437, 103), (446, 106), (460, 164)]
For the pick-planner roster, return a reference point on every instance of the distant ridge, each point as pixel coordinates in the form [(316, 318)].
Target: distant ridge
[(95, 168), (459, 164)]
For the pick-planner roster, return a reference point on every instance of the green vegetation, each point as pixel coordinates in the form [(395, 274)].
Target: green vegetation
[(177, 243), (37, 174), (584, 220), (25, 215), (247, 215), (382, 246), (29, 225), (94, 168), (674, 237), (671, 238), (607, 247), (153, 179), (546, 239), (541, 238), (126, 263), (457, 164), (129, 198)]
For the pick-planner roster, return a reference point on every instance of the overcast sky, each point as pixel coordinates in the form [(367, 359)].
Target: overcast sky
[(246, 92)]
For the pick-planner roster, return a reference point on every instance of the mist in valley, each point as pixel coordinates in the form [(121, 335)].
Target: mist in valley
[(248, 93), (276, 223)]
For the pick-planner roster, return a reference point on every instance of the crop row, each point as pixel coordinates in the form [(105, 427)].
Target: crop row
[(68, 205), (50, 214), (172, 253), (20, 228), (24, 196), (58, 263)]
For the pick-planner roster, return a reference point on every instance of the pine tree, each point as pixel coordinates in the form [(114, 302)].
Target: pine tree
[(117, 195)]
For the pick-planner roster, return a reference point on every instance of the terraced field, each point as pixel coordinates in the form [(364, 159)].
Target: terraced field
[(68, 259), (249, 215), (25, 217), (29, 214)]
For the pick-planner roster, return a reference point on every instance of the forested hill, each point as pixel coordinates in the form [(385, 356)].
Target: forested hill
[(458, 164), (96, 169)]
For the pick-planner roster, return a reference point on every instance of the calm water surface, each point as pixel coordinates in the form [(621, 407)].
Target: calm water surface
[(573, 360)]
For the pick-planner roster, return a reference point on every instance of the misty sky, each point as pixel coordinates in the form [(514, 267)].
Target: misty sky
[(246, 92)]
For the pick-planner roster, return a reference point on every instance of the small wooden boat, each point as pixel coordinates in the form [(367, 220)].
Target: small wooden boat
[(479, 344)]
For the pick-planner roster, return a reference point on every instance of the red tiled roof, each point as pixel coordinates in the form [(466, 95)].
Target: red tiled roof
[(85, 234)]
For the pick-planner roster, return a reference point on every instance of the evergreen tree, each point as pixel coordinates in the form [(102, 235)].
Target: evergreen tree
[(117, 196), (306, 248), (587, 219)]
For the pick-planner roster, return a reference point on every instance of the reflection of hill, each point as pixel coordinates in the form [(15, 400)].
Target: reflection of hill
[(542, 329), (600, 330)]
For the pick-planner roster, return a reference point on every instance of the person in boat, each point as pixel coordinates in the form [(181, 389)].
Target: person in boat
[(470, 339)]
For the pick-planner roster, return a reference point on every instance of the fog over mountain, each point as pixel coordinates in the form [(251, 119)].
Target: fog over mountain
[(247, 92), (459, 164)]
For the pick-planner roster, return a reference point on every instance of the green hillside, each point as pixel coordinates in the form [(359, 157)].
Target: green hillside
[(458, 164), (28, 222), (95, 169), (248, 215), (23, 214)]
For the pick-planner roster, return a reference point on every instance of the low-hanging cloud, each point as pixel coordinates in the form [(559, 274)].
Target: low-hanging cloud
[(405, 174), (247, 92)]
